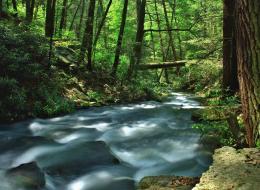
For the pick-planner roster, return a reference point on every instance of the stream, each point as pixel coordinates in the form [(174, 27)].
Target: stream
[(108, 148)]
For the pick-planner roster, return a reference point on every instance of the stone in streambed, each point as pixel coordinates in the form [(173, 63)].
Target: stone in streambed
[(27, 176), (77, 158)]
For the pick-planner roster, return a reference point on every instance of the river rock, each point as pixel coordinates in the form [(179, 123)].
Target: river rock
[(232, 169), (77, 158), (167, 183), (12, 148), (27, 176)]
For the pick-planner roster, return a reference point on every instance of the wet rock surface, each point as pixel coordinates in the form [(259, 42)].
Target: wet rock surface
[(167, 183), (78, 158), (232, 170), (27, 176)]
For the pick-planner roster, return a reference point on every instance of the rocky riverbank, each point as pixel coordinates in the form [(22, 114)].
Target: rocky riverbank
[(231, 170)]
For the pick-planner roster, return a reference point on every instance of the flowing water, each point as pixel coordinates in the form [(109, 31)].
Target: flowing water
[(108, 148)]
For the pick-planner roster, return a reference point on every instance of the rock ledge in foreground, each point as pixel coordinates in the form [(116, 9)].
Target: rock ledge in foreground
[(232, 170)]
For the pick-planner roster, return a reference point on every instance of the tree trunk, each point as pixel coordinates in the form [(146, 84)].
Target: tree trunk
[(248, 57), (102, 22), (137, 50), (78, 30), (152, 36), (230, 80), (163, 51), (1, 8), (14, 5), (74, 16), (120, 39), (50, 18), (171, 41), (63, 17), (29, 10), (88, 36)]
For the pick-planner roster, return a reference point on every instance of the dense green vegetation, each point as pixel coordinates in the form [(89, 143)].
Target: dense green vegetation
[(56, 56)]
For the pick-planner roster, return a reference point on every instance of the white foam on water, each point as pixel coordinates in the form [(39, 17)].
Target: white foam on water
[(31, 154), (102, 126)]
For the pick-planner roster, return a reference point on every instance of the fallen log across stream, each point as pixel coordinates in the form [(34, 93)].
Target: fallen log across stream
[(162, 65)]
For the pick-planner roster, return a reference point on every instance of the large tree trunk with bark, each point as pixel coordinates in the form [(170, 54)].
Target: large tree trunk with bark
[(230, 80), (87, 41), (248, 55)]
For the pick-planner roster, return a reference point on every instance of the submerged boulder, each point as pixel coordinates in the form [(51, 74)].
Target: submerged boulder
[(77, 158), (27, 176)]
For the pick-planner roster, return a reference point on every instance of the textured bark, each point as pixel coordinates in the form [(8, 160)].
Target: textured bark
[(230, 80), (120, 39), (248, 54), (87, 41)]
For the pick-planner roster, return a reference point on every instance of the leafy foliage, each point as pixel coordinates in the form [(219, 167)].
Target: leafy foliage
[(28, 86)]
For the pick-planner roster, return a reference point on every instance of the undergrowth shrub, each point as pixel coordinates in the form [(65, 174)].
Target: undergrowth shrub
[(28, 86), (197, 76)]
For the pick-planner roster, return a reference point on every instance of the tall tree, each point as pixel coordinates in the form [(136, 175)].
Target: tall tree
[(87, 41), (137, 50), (102, 22), (29, 10), (50, 18), (248, 57), (78, 31), (1, 8), (120, 39), (63, 17), (163, 51), (171, 40), (230, 80), (75, 14), (14, 2)]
